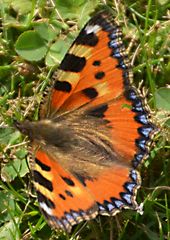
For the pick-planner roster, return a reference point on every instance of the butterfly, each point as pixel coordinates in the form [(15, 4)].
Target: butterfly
[(94, 131)]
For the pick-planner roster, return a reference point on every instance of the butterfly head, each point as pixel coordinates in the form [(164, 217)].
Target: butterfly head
[(25, 128), (34, 130)]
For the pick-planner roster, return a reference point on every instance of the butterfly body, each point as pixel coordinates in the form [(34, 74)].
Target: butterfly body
[(93, 132)]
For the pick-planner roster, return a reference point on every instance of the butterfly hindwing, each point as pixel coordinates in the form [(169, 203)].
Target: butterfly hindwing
[(63, 200), (115, 189)]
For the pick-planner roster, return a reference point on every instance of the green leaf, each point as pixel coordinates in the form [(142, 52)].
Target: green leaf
[(56, 53), (9, 230), (46, 31), (162, 97), (75, 8), (70, 3), (22, 7), (8, 207), (57, 24), (21, 153), (8, 136), (5, 134), (14, 168), (31, 46)]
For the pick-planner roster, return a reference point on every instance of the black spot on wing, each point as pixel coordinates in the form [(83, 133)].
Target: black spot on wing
[(73, 63), (68, 181), (42, 165), (83, 178), (90, 92), (96, 63), (87, 39), (98, 111), (63, 86), (80, 178), (62, 196), (47, 201), (99, 75), (68, 193), (42, 181)]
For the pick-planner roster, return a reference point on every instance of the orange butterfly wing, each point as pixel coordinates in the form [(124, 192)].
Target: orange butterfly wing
[(115, 189), (89, 63), (63, 200)]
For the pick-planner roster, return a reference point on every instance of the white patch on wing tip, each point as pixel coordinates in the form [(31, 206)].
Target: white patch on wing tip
[(92, 28), (45, 208)]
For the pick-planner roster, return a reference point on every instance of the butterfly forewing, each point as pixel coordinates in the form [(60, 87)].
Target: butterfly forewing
[(93, 50)]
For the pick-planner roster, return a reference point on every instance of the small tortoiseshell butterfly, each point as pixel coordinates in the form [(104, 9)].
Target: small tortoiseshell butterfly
[(93, 132)]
